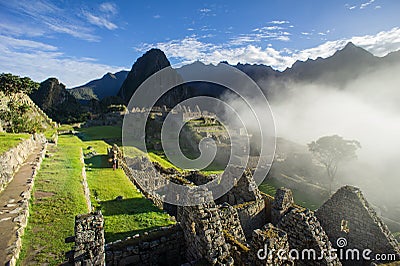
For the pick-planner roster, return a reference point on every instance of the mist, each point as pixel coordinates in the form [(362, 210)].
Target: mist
[(366, 109)]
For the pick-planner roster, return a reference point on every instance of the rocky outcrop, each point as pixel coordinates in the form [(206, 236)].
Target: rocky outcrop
[(53, 98), (151, 62), (145, 66)]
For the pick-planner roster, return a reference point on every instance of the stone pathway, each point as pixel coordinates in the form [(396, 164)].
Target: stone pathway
[(11, 205)]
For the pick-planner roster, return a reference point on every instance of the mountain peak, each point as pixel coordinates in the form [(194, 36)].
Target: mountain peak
[(350, 45), (351, 48), (145, 66)]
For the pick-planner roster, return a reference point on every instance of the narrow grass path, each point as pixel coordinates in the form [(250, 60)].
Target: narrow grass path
[(128, 216), (58, 197)]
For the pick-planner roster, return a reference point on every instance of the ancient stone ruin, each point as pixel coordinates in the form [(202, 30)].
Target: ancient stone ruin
[(240, 228)]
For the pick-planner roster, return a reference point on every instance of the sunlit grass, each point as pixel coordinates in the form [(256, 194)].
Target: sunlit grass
[(10, 140), (101, 132), (125, 217), (52, 216)]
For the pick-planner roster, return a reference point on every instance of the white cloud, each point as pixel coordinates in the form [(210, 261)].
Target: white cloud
[(41, 61), (99, 21), (279, 22), (350, 7), (205, 10), (191, 49), (157, 16), (283, 38), (259, 34), (108, 8), (26, 44), (364, 5), (42, 17)]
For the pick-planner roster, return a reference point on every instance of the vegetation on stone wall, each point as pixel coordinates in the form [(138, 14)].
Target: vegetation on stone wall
[(15, 113), (9, 140)]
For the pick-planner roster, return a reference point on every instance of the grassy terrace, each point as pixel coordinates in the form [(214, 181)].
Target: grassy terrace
[(58, 197), (309, 201), (10, 140), (125, 217)]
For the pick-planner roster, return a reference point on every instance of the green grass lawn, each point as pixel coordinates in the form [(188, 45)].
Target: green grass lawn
[(160, 158), (58, 197), (125, 217), (101, 132), (10, 140), (301, 198)]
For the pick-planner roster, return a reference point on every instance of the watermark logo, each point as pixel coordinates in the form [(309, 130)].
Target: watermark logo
[(244, 113), (341, 242), (341, 253)]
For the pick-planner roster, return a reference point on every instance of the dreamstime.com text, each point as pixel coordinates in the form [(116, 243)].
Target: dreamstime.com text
[(342, 253)]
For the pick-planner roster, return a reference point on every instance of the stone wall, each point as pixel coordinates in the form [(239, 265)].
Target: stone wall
[(265, 244), (143, 176), (203, 232), (163, 246), (268, 205), (11, 160), (89, 240), (22, 219), (305, 233), (238, 250), (230, 222), (252, 215), (244, 188), (347, 214), (281, 204), (85, 184)]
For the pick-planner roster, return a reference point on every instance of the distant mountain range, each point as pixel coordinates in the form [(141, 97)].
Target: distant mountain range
[(98, 89), (337, 70)]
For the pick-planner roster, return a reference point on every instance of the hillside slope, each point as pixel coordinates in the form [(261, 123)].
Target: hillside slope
[(98, 89)]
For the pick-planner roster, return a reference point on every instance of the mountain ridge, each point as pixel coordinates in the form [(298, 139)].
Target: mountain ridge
[(108, 85)]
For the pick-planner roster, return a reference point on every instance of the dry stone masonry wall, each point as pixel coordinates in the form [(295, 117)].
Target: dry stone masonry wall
[(23, 210), (236, 228), (265, 240), (348, 215), (163, 246), (203, 231), (305, 233), (89, 240), (11, 160)]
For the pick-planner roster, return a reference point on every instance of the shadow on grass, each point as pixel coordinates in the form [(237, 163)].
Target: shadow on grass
[(98, 161), (128, 206), (110, 237)]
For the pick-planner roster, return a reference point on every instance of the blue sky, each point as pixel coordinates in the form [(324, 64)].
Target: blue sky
[(77, 41)]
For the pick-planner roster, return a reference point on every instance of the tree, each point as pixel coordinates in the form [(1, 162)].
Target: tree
[(12, 86), (330, 151)]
